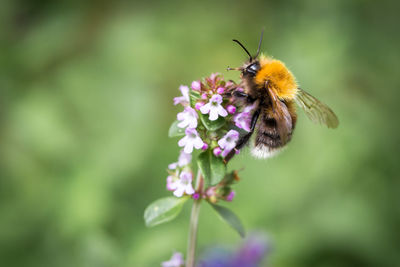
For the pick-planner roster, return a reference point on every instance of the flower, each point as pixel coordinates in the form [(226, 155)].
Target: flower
[(196, 85), (182, 185), (220, 90), (214, 108), (183, 160), (191, 139), (242, 121), (175, 261), (184, 99), (187, 118), (228, 142)]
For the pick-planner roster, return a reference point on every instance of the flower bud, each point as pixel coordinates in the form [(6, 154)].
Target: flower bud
[(196, 85), (217, 151), (231, 109), (220, 90)]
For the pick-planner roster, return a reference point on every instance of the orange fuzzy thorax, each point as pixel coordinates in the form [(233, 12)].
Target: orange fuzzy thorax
[(280, 79)]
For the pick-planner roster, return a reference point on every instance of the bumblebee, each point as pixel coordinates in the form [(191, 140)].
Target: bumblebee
[(270, 87)]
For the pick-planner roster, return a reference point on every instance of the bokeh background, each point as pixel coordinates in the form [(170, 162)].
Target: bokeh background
[(86, 103)]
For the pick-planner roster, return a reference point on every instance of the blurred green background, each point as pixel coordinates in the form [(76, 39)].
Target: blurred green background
[(86, 103)]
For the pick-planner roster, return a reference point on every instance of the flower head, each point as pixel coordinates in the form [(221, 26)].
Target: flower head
[(251, 254), (214, 108), (175, 261), (182, 185), (184, 99), (228, 142), (187, 118), (191, 139)]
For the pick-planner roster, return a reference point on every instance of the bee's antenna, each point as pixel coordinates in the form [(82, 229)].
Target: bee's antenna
[(236, 41), (259, 44)]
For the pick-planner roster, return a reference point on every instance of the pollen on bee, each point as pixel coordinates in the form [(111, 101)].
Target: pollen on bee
[(278, 76)]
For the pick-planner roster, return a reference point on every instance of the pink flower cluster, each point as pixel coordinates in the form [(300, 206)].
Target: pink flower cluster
[(208, 100)]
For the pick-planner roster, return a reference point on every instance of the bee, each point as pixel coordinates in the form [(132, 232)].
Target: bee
[(269, 86)]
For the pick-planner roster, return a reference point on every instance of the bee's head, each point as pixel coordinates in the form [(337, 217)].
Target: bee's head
[(252, 66)]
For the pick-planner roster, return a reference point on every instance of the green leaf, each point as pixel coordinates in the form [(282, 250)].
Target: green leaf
[(230, 218), (212, 167), (163, 210), (212, 125), (174, 130)]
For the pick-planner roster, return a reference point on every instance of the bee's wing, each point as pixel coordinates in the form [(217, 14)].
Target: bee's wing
[(315, 110), (282, 117)]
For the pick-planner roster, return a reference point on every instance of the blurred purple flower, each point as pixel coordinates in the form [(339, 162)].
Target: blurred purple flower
[(175, 261), (214, 108), (184, 99), (250, 254), (228, 142), (187, 118), (191, 139)]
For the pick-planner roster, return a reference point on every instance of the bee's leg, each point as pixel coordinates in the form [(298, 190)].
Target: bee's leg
[(245, 138)]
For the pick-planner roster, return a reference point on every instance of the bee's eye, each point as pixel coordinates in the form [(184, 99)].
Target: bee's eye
[(252, 69)]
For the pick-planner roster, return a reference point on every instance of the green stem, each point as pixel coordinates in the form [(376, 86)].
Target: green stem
[(194, 222)]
